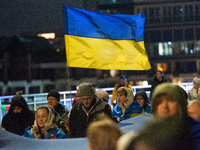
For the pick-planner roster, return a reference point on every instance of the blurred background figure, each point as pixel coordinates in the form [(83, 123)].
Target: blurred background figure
[(126, 107), (77, 98), (193, 92), (158, 79), (162, 134), (122, 83), (103, 135), (194, 109), (45, 125), (102, 94), (19, 116), (53, 99), (143, 100), (170, 100)]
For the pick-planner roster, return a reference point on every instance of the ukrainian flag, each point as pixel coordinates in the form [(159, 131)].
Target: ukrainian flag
[(100, 41)]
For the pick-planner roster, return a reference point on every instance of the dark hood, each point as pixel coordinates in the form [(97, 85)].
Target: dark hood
[(18, 100), (143, 94)]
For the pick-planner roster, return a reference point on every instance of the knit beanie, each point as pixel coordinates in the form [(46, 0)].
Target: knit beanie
[(85, 89), (54, 93)]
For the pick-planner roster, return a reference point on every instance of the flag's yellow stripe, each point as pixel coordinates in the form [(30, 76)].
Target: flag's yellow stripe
[(106, 54)]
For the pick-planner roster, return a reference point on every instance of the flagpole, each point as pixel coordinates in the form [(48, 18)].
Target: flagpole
[(69, 83)]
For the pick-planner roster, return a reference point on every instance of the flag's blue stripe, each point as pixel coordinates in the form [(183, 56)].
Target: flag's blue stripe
[(84, 23)]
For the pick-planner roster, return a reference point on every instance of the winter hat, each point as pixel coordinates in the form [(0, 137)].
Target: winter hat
[(85, 89), (102, 94), (18, 100), (54, 93)]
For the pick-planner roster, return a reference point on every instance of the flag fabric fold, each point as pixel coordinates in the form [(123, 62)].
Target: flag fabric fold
[(100, 41)]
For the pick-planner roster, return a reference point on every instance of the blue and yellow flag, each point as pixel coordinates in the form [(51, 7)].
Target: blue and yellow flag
[(108, 42)]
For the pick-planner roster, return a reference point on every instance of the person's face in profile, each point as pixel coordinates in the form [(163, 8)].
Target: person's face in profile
[(166, 106), (121, 97), (17, 109), (41, 117)]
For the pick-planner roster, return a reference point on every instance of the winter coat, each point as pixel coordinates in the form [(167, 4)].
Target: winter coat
[(146, 108), (81, 117), (18, 122), (157, 82), (193, 94), (58, 133), (128, 109)]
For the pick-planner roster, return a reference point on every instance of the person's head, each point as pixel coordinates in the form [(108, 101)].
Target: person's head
[(86, 93), (163, 134), (122, 80), (142, 98), (102, 94), (198, 90), (159, 74), (169, 100), (18, 104), (103, 134), (196, 82), (45, 114), (53, 98), (194, 109), (121, 95)]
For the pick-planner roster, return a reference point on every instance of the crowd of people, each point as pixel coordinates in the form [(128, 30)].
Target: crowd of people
[(175, 113)]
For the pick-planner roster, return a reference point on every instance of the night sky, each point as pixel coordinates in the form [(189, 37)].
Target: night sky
[(32, 15)]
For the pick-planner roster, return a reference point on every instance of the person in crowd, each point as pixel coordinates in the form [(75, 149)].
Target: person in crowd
[(53, 99), (194, 109), (103, 134), (161, 134), (171, 127), (45, 125), (122, 83), (143, 100), (84, 112), (77, 98), (158, 79), (19, 116), (170, 100), (126, 107), (193, 92), (102, 94)]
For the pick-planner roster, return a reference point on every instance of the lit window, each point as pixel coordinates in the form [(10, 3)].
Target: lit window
[(47, 35)]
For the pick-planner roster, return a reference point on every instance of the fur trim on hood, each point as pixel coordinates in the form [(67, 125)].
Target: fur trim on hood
[(128, 101)]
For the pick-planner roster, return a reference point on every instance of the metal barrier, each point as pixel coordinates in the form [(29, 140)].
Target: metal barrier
[(35, 100)]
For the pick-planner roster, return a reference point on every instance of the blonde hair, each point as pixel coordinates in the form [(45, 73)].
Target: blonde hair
[(103, 134)]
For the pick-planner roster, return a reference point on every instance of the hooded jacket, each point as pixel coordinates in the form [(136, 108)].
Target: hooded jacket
[(18, 122), (147, 107), (80, 117), (49, 128), (128, 109), (190, 128)]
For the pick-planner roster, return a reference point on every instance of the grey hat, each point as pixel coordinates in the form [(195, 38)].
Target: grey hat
[(85, 89)]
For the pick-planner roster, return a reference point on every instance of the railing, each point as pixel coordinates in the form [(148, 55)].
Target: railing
[(35, 100)]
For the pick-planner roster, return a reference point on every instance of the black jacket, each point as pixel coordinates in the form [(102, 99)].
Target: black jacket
[(81, 117), (17, 123)]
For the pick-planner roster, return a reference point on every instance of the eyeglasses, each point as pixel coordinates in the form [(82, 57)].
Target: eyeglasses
[(86, 98)]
